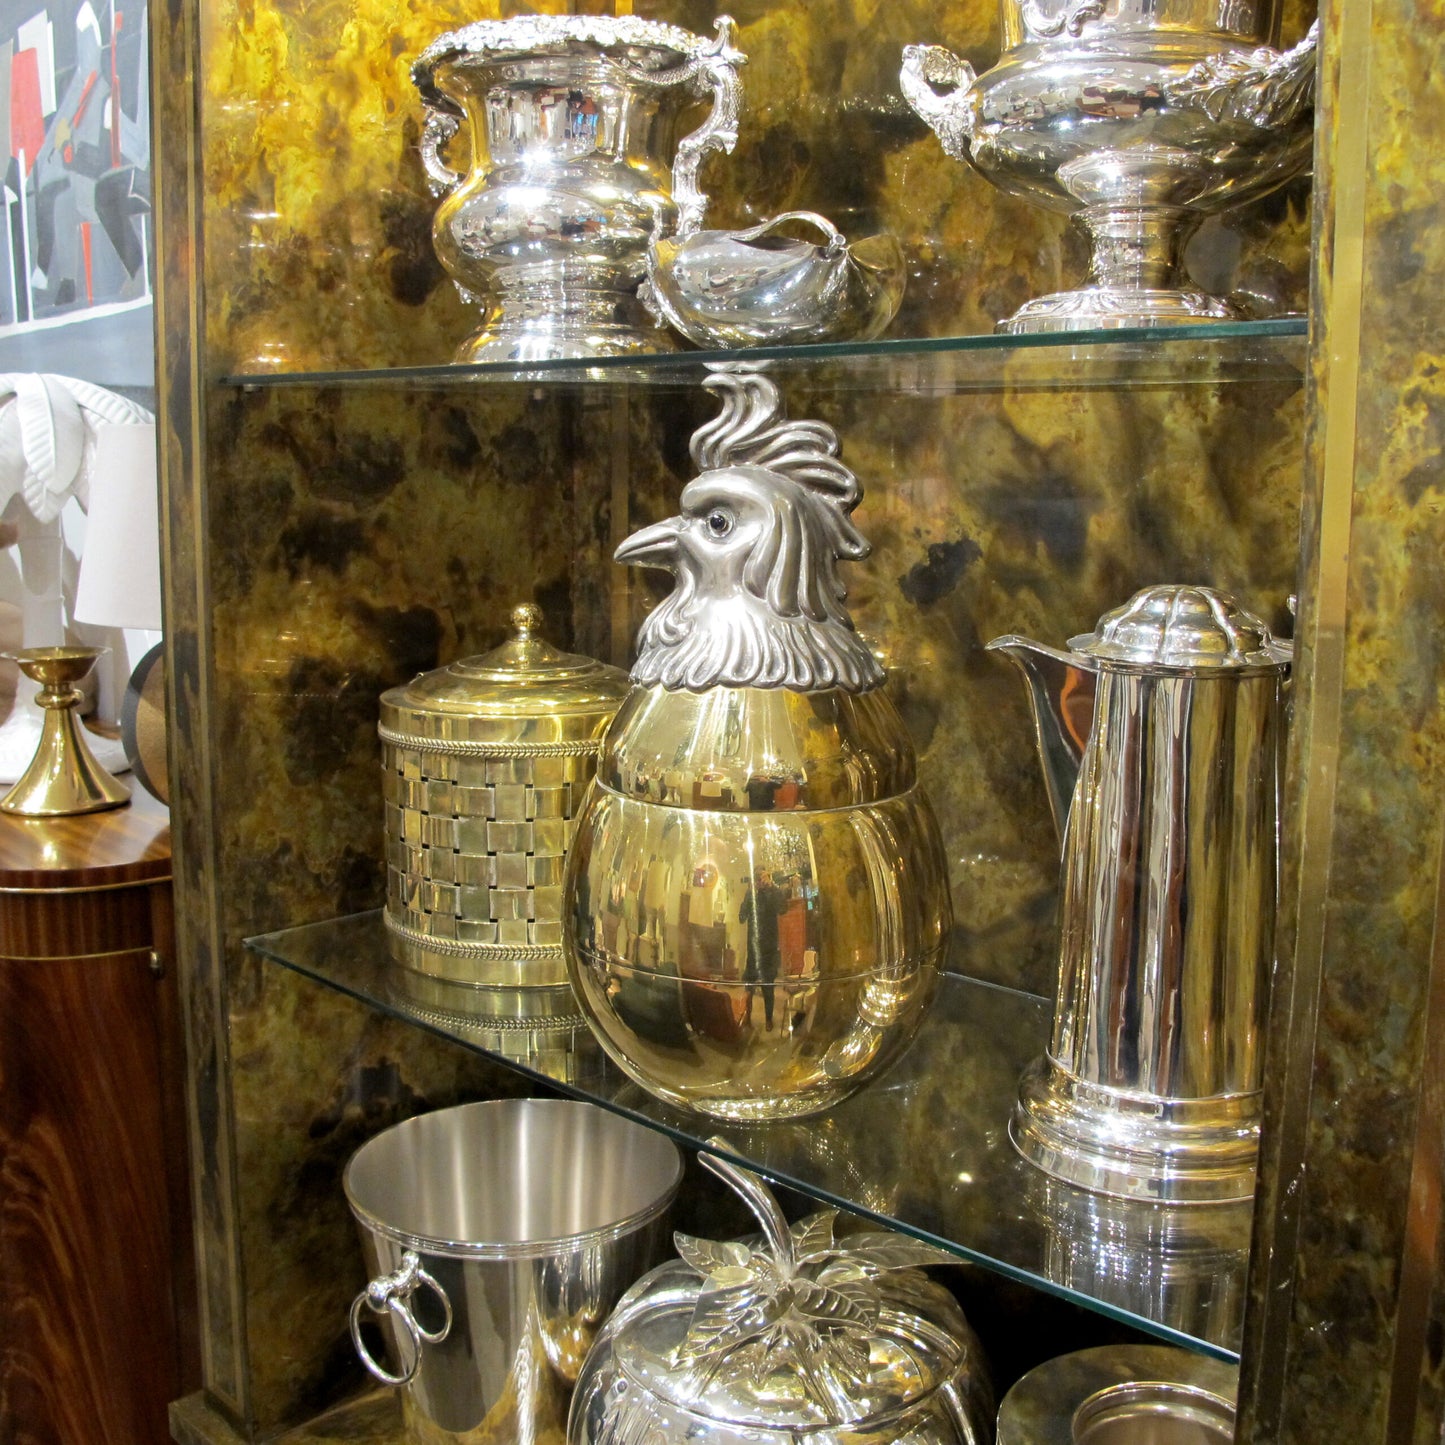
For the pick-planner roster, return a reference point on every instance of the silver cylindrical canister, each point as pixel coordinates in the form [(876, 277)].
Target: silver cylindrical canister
[(498, 1237)]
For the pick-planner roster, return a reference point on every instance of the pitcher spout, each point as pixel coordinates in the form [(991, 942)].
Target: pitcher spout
[(1061, 697)]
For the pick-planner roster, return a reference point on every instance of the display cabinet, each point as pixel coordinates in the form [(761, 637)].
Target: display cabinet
[(344, 510)]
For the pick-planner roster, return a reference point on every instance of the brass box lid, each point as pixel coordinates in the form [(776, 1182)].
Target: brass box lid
[(522, 694)]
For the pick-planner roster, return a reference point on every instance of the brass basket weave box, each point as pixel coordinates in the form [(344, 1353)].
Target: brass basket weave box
[(485, 764)]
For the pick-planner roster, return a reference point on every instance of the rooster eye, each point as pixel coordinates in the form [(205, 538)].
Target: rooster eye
[(720, 522)]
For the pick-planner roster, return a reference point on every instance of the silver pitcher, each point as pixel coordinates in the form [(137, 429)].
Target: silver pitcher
[(571, 120), (1160, 737), (1141, 117)]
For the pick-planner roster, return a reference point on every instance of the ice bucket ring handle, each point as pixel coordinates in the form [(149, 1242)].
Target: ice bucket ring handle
[(392, 1293)]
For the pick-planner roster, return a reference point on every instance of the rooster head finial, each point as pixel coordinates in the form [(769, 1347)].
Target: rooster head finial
[(755, 550)]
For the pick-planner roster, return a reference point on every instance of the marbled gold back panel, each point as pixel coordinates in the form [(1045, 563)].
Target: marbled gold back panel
[(318, 216)]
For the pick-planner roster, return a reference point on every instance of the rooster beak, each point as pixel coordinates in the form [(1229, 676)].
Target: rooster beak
[(654, 546)]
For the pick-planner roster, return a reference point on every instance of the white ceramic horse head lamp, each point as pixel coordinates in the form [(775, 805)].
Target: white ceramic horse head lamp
[(49, 427)]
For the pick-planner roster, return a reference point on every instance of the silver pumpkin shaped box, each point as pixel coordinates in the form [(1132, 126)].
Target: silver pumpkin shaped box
[(802, 1336), (485, 763), (758, 900)]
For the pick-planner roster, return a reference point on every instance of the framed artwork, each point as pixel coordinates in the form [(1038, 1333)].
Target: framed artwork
[(76, 230)]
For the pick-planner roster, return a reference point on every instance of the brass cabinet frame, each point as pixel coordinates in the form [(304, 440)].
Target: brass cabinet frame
[(1345, 1293)]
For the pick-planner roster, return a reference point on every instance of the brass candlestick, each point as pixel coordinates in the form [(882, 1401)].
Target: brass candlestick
[(63, 777)]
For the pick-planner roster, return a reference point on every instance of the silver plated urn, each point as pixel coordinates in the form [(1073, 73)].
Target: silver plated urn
[(572, 122), (1160, 735), (1138, 117)]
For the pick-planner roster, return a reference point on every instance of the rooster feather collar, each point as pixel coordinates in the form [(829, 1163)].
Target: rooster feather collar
[(755, 550)]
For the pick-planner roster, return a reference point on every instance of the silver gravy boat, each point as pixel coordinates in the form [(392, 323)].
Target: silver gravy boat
[(1138, 117), (761, 286), (571, 119), (1160, 737)]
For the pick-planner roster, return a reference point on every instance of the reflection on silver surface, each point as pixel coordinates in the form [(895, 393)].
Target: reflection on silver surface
[(1151, 1083), (766, 287), (1177, 1265), (572, 121), (1138, 117), (499, 1236), (1122, 1395), (757, 892), (1152, 1412), (537, 1026), (806, 1335)]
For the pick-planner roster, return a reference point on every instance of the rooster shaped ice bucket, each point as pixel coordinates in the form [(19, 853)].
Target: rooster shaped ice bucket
[(757, 892)]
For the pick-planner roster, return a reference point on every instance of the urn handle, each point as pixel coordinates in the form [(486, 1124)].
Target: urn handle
[(1073, 18), (440, 127), (715, 67), (949, 113), (391, 1294), (1266, 88)]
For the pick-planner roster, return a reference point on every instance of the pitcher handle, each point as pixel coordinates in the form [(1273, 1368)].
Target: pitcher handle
[(836, 242), (441, 126), (717, 65), (391, 1293)]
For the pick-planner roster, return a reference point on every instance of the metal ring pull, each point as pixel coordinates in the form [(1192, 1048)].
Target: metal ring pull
[(391, 1294)]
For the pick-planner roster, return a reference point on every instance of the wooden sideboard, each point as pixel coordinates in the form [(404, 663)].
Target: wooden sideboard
[(97, 1277)]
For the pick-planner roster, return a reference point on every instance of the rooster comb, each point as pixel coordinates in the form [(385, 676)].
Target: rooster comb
[(751, 430)]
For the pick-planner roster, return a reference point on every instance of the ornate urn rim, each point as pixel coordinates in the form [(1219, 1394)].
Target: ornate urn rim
[(526, 35)]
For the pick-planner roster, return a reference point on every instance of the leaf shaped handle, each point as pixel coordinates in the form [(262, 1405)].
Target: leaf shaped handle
[(948, 113), (1265, 88), (716, 66)]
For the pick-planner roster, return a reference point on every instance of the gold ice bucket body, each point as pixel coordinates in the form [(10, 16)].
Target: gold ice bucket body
[(759, 905), (485, 765)]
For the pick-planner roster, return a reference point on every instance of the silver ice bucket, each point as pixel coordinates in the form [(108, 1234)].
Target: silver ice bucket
[(499, 1236)]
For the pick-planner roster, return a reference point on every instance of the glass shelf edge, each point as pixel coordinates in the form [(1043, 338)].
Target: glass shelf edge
[(1114, 342), (693, 1133)]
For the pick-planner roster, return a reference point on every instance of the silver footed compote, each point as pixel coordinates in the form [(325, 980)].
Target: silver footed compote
[(1138, 118)]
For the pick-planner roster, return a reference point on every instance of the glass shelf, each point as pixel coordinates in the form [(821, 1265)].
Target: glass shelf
[(1206, 353), (925, 1150)]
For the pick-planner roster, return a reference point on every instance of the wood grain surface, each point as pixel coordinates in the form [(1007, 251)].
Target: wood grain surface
[(125, 845), (94, 1240)]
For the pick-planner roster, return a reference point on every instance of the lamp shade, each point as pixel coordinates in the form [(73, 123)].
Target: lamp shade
[(120, 571)]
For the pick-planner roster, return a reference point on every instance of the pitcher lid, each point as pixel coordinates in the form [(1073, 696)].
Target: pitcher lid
[(1190, 628)]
